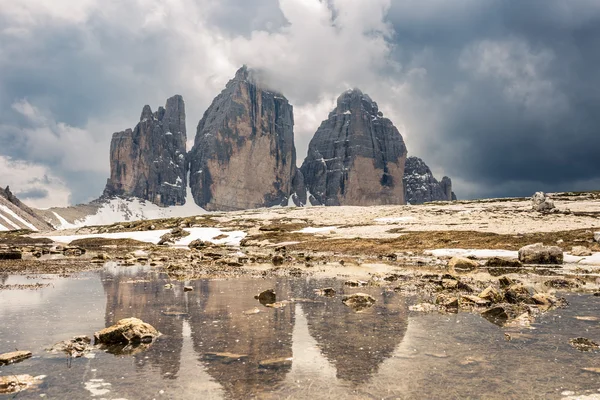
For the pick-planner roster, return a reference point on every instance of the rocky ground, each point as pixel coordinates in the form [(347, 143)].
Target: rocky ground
[(404, 248)]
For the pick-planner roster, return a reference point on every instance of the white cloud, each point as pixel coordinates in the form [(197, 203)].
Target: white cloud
[(22, 176)]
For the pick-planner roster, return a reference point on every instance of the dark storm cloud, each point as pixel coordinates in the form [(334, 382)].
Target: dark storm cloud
[(527, 114), (34, 193)]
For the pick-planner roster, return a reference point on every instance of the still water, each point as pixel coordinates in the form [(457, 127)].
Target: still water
[(323, 349)]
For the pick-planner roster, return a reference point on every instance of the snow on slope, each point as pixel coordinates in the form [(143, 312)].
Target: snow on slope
[(15, 217), (232, 238), (120, 210)]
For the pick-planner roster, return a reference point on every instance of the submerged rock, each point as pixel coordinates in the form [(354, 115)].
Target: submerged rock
[(539, 254), (503, 314), (266, 297), (359, 301), (75, 347), (276, 362), (584, 344), (14, 357), (16, 383), (502, 265), (355, 283), (125, 331)]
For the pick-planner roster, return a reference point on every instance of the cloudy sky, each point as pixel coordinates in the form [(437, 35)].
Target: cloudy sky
[(502, 96)]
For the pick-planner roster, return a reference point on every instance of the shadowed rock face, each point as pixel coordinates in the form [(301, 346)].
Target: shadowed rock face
[(421, 186), (148, 162), (356, 156), (244, 155)]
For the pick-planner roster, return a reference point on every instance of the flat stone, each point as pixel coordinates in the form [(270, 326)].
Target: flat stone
[(478, 301), (462, 265), (14, 357), (276, 362), (539, 254)]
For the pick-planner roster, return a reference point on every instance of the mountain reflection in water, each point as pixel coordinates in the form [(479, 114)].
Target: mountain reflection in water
[(216, 318)]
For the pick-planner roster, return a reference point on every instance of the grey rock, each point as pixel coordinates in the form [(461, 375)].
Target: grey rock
[(244, 155), (540, 202), (356, 156), (540, 254), (421, 186), (149, 162)]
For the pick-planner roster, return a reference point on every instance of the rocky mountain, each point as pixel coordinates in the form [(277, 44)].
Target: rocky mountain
[(15, 215), (421, 186), (244, 155), (356, 156), (148, 162)]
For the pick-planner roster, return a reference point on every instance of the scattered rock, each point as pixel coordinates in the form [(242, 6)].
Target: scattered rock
[(75, 347), (276, 362), (518, 293), (502, 265), (540, 254), (560, 283), (502, 314), (277, 260), (355, 283), (11, 255), (449, 302), (491, 294), (581, 251), (461, 265), (266, 297), (327, 292), (128, 330), (17, 383), (505, 282), (359, 301), (198, 244), (14, 357), (73, 251), (541, 203), (584, 344), (476, 300), (188, 288)]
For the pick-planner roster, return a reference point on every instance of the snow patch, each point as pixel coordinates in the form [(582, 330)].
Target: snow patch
[(3, 228), (9, 222), (316, 230), (472, 253), (64, 224), (15, 216), (391, 220), (348, 112)]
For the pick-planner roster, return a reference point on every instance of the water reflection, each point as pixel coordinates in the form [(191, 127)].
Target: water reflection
[(257, 345)]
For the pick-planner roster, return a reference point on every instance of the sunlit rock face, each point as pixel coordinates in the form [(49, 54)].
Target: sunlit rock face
[(244, 155), (421, 186), (149, 161), (356, 156)]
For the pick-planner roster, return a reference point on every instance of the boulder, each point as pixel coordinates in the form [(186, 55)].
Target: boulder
[(540, 254), (541, 203), (14, 357), (128, 330), (581, 251), (198, 244), (359, 301), (491, 294), (517, 294), (356, 157), (461, 265), (277, 260)]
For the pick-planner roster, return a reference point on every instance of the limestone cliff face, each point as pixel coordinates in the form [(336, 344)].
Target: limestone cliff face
[(421, 186), (149, 161), (244, 155), (356, 156)]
